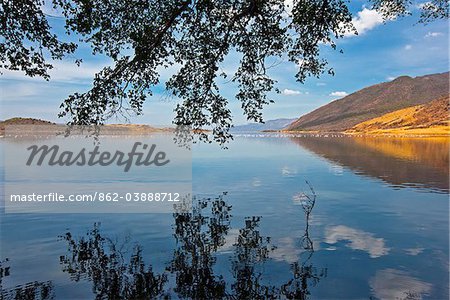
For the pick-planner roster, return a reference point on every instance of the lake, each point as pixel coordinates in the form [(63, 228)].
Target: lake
[(274, 216)]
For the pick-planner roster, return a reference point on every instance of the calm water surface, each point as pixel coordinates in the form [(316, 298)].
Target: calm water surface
[(371, 224)]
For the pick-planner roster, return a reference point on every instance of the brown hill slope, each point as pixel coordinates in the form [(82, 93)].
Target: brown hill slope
[(374, 101), (107, 129), (430, 118), (22, 121)]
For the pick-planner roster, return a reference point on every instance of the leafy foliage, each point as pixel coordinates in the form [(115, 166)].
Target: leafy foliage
[(27, 40), (195, 36)]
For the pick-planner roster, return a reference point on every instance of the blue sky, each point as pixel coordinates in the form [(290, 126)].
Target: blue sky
[(379, 53)]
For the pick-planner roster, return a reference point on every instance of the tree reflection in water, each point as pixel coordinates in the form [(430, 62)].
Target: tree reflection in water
[(114, 276), (305, 274), (31, 290), (251, 249), (199, 235)]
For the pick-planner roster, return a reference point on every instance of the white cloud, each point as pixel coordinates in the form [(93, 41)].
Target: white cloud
[(49, 10), (366, 20), (63, 71), (321, 84), (70, 71), (19, 90), (408, 47), (396, 284), (289, 92), (359, 240), (390, 78), (338, 94), (433, 34)]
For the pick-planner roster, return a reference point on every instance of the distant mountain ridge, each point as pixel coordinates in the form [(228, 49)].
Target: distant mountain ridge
[(276, 124), (374, 101)]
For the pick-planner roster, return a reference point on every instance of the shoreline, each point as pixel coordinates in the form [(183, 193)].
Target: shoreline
[(365, 134)]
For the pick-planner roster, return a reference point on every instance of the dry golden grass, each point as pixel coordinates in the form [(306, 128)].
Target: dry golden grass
[(441, 130), (431, 119)]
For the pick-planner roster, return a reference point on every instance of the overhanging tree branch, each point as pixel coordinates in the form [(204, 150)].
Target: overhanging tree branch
[(143, 36)]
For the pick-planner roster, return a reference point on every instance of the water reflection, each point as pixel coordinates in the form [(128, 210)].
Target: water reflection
[(251, 250), (420, 163), (396, 284), (199, 234), (114, 273), (4, 269), (359, 240), (305, 274), (118, 272), (31, 290)]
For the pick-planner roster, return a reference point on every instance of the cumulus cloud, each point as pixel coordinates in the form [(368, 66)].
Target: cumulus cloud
[(433, 34), (338, 94), (365, 20), (408, 47), (289, 92), (390, 78), (359, 240)]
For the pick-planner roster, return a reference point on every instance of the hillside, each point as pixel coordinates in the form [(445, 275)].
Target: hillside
[(276, 124), (108, 129), (374, 101), (22, 121), (431, 118)]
